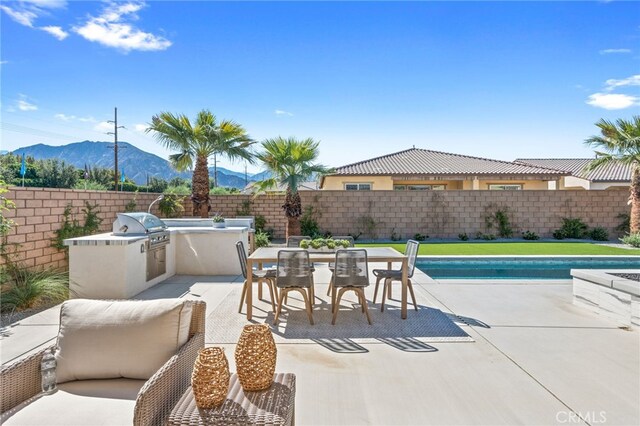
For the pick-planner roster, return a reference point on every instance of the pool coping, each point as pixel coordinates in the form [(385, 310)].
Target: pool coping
[(527, 256)]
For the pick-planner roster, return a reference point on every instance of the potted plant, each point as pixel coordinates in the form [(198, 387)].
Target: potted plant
[(218, 221), (324, 244)]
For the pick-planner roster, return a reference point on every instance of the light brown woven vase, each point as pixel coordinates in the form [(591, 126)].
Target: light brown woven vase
[(210, 378), (256, 357)]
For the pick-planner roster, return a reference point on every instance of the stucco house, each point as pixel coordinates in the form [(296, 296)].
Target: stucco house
[(611, 176), (423, 169)]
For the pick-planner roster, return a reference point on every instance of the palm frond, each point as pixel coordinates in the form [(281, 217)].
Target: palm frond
[(617, 142)]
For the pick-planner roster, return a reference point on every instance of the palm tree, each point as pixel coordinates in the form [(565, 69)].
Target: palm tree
[(196, 143), (620, 142), (290, 162)]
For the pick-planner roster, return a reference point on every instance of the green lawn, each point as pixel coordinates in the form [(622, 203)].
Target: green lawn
[(507, 248)]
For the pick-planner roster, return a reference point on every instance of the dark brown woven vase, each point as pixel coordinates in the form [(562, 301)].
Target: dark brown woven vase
[(256, 357), (210, 378)]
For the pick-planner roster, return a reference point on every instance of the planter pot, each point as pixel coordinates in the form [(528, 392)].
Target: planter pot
[(219, 225), (256, 357), (210, 378)]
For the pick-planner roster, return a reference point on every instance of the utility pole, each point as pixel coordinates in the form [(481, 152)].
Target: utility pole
[(115, 146)]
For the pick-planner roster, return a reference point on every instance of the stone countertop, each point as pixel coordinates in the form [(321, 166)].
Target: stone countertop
[(108, 239), (206, 229)]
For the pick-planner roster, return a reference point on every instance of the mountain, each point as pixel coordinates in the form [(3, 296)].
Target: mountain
[(135, 162)]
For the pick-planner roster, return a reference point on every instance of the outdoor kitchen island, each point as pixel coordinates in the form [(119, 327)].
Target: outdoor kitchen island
[(108, 266)]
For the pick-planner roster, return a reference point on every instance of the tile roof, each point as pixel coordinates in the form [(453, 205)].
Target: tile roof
[(614, 172), (416, 161)]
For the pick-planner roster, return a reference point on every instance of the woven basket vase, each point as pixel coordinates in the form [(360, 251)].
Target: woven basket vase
[(210, 378), (256, 357)]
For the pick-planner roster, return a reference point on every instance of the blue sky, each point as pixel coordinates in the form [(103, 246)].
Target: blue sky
[(500, 80)]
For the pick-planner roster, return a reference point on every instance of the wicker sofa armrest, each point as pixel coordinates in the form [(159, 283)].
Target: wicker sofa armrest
[(162, 391), (21, 380)]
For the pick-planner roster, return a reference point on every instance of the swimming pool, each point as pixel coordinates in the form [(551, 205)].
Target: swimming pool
[(540, 268)]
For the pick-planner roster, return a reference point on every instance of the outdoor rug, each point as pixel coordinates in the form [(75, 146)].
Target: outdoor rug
[(427, 325)]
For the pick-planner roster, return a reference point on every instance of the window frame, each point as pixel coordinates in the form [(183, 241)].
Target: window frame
[(358, 186), (516, 186)]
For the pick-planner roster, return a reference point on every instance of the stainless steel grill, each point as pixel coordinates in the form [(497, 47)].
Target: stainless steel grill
[(157, 241)]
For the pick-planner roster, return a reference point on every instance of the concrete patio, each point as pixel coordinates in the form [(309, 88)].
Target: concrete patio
[(531, 356)]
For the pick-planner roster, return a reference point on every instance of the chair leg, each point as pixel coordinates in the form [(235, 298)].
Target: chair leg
[(375, 292), (271, 293), (413, 296), (307, 303), (384, 293), (361, 298), (333, 299), (312, 293), (283, 293), (330, 285), (244, 294), (365, 308), (335, 310), (389, 290), (260, 282)]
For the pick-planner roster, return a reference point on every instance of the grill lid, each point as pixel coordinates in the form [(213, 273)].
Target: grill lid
[(138, 223)]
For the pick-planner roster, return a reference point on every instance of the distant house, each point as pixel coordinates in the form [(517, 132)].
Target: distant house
[(611, 176), (422, 169)]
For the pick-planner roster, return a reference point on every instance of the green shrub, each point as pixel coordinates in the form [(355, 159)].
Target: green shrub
[(308, 222), (262, 239), (171, 205), (499, 218), (71, 228), (599, 234), (91, 185), (559, 234), (573, 228), (420, 237), (625, 223), (32, 288), (529, 235), (394, 235), (488, 237), (632, 239), (463, 236)]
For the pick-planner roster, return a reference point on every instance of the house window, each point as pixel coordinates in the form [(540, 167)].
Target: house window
[(510, 187), (357, 186), (419, 187)]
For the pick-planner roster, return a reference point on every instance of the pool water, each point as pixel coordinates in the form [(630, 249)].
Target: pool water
[(517, 267)]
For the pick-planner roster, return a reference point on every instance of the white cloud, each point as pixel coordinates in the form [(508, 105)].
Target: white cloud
[(57, 32), (103, 126), (25, 12), (282, 112), (610, 51), (113, 28), (21, 16), (65, 117), (611, 84), (4, 62), (612, 101), (140, 128), (24, 104)]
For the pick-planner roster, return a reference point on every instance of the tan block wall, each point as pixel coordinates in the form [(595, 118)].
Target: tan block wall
[(440, 214), (38, 215)]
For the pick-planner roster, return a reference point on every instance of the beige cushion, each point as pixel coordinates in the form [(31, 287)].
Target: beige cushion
[(110, 339), (87, 402)]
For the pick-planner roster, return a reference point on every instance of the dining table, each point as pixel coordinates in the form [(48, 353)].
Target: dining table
[(374, 254)]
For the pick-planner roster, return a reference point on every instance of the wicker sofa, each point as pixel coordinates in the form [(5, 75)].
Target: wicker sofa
[(102, 401)]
